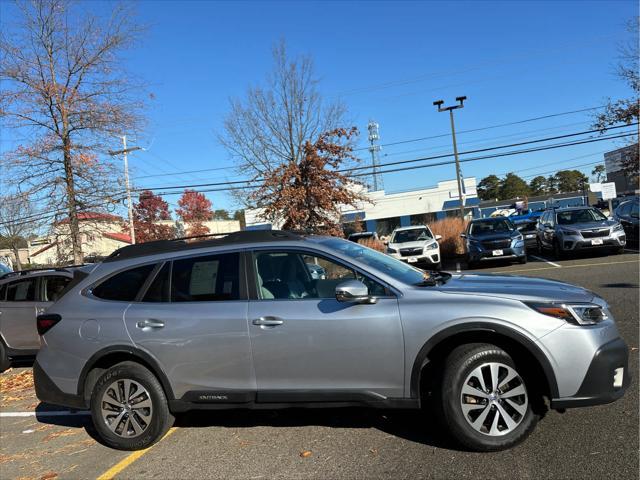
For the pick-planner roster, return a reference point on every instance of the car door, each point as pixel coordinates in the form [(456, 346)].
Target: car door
[(308, 346), (547, 229), (192, 317), (623, 215), (18, 314)]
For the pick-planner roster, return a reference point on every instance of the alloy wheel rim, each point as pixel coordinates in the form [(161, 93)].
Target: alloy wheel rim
[(126, 408), (494, 399)]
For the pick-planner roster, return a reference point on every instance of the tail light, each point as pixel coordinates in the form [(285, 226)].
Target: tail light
[(46, 321)]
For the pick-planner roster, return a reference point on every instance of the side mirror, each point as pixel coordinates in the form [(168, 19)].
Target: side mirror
[(438, 237), (354, 291), (463, 235)]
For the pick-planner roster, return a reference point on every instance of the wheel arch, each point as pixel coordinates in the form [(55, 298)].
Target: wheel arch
[(109, 356), (512, 341)]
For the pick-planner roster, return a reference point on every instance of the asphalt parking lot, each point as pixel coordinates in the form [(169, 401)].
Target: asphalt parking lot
[(596, 442)]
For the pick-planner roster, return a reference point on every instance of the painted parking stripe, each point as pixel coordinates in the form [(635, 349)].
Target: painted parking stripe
[(564, 267), (545, 261), (54, 413), (125, 462)]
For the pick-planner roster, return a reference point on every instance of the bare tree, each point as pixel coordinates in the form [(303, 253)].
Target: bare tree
[(65, 89), (270, 127), (15, 223)]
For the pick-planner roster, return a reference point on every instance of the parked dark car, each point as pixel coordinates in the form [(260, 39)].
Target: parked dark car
[(627, 215), (528, 229), (565, 230), (355, 237), (494, 238)]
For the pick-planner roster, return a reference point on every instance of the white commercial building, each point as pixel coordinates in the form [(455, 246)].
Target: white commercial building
[(386, 211)]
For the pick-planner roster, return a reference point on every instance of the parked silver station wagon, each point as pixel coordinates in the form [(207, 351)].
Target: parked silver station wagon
[(246, 321)]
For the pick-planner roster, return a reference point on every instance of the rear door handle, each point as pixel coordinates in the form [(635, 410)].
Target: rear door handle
[(267, 321), (149, 323)]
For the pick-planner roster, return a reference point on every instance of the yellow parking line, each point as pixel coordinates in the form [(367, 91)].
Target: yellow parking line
[(124, 463), (564, 266)]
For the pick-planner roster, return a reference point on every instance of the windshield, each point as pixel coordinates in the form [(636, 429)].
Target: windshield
[(486, 227), (580, 216), (384, 263), (413, 235)]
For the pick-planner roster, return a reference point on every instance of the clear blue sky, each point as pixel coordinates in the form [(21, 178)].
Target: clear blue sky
[(387, 61)]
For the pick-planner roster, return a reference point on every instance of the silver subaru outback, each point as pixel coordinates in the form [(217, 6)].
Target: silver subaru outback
[(244, 322)]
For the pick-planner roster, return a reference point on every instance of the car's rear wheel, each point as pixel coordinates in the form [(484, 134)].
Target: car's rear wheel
[(129, 407), (485, 398), (5, 362), (523, 259)]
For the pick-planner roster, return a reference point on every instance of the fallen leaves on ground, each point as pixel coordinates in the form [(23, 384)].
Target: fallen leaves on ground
[(16, 383), (49, 476), (306, 453), (61, 433)]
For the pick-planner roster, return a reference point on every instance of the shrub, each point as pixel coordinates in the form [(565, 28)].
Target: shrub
[(450, 229), (373, 243)]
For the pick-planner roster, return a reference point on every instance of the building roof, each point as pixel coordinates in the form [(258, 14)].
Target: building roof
[(120, 237), (43, 249), (85, 216)]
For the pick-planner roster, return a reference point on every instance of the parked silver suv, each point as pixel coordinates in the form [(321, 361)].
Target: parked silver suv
[(241, 322)]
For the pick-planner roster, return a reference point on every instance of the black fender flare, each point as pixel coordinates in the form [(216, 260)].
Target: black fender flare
[(146, 358), (422, 359)]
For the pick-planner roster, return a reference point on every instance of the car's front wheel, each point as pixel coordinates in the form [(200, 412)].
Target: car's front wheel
[(5, 363), (129, 408), (485, 398)]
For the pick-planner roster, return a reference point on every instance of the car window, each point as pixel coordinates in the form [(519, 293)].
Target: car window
[(210, 278), (22, 291), (413, 235), (634, 210), (624, 209), (158, 291), (579, 216), (3, 292), (53, 286), (485, 227), (123, 286)]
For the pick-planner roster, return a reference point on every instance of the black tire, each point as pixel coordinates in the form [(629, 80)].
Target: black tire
[(540, 247), (522, 260), (619, 251), (471, 264), (5, 362), (161, 419), (459, 365), (437, 266), (558, 253)]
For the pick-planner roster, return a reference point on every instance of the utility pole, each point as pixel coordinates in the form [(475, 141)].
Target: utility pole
[(450, 109), (374, 149), (124, 153)]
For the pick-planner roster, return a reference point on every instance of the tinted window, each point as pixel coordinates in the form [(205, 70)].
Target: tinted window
[(124, 286), (3, 292), (624, 209), (22, 291), (52, 287), (580, 216), (487, 227), (159, 289), (206, 279), (413, 235)]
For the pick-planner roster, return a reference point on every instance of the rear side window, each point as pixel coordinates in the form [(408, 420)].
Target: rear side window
[(53, 287), (158, 291), (22, 291), (210, 278), (124, 286)]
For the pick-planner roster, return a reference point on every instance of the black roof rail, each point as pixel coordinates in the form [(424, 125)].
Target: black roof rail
[(215, 239)]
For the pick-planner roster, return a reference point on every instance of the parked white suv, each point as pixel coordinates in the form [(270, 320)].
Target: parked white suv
[(415, 245)]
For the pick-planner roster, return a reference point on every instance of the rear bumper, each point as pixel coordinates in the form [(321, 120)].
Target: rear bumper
[(598, 386), (48, 392)]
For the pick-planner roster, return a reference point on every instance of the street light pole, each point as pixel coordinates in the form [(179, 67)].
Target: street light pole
[(450, 109), (124, 152)]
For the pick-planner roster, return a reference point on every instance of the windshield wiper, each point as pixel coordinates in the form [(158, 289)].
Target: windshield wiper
[(433, 278)]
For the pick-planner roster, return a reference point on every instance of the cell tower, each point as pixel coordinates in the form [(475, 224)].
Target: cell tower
[(375, 160)]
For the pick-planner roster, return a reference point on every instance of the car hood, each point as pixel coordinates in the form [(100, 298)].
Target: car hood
[(517, 288), (589, 225), (419, 243)]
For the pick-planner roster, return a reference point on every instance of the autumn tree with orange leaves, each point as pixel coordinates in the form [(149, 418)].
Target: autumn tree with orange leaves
[(307, 194), (65, 90), (194, 209), (148, 213)]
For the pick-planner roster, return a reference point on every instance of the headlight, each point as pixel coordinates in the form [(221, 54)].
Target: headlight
[(431, 246), (617, 228), (575, 313), (391, 250), (518, 237), (569, 231)]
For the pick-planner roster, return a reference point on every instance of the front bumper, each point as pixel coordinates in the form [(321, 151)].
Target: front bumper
[(602, 384), (571, 243), (48, 392), (507, 253), (430, 258)]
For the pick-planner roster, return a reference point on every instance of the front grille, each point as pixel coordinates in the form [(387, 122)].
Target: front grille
[(493, 244), (407, 252), (597, 232)]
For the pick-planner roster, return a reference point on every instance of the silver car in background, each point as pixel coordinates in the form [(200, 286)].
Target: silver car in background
[(573, 229), (242, 322)]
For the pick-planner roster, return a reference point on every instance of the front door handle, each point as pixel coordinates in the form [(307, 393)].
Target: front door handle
[(267, 321), (149, 323)]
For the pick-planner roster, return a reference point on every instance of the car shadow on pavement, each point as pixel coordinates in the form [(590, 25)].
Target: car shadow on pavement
[(80, 419), (413, 425), (619, 285)]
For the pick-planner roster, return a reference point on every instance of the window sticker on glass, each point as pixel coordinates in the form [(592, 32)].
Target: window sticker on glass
[(203, 277)]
